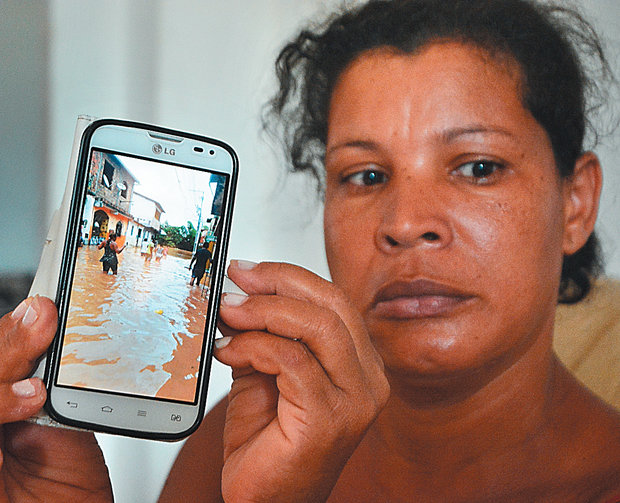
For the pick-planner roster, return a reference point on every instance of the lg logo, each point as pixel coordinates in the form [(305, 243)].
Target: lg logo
[(158, 149)]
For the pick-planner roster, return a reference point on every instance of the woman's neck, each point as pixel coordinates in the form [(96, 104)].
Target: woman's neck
[(497, 422)]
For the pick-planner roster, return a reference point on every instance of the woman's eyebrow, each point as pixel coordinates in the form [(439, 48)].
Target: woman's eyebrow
[(453, 134), (447, 136), (360, 144)]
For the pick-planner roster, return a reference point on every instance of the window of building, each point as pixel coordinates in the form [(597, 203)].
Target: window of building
[(108, 174)]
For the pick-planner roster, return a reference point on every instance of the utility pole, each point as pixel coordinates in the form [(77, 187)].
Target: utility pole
[(202, 198)]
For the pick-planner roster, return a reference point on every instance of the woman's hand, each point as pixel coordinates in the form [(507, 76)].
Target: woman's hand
[(40, 463), (307, 384)]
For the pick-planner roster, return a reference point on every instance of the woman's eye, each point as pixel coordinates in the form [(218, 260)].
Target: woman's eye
[(366, 178), (480, 171)]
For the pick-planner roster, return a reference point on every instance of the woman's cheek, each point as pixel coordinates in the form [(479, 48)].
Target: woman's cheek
[(349, 246), (515, 244)]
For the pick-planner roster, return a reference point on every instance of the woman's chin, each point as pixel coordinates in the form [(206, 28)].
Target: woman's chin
[(439, 360)]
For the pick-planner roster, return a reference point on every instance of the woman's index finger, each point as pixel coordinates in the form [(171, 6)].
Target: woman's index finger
[(288, 280)]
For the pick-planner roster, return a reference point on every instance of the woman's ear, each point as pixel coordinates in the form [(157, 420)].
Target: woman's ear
[(582, 191)]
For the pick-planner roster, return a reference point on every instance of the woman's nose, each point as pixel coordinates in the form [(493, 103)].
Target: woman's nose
[(413, 218)]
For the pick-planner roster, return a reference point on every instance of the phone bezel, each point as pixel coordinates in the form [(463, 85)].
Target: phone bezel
[(67, 270)]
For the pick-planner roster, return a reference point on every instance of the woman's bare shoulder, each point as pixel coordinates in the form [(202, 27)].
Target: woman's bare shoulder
[(590, 429), (196, 473)]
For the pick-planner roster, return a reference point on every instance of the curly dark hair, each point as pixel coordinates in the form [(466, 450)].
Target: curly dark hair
[(563, 66)]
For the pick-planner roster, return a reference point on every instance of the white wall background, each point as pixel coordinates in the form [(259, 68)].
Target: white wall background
[(198, 65), (23, 96)]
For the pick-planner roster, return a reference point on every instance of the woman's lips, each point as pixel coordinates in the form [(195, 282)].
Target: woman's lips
[(417, 299)]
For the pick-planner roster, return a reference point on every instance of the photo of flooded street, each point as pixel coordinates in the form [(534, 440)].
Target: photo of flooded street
[(146, 242), (139, 331)]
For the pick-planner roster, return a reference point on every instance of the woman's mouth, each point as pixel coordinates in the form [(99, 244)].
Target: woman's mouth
[(417, 299)]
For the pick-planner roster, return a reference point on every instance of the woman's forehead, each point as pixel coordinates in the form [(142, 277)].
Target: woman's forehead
[(443, 86)]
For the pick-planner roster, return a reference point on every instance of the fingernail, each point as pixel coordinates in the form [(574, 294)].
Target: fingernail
[(233, 299), (31, 313), (24, 389), (222, 342), (244, 265), (20, 310)]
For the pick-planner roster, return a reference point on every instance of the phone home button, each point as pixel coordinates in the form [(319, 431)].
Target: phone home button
[(107, 409)]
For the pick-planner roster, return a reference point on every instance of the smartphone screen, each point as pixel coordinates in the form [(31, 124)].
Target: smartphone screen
[(136, 315), (141, 272)]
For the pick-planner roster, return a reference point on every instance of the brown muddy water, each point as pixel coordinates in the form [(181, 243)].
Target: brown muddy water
[(138, 332)]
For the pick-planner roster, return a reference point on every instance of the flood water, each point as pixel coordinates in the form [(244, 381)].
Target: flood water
[(138, 332)]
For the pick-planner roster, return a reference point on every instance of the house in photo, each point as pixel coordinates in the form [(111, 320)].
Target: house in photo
[(146, 223), (108, 199)]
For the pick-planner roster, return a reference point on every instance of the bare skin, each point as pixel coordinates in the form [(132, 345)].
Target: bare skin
[(446, 223), (113, 245), (307, 384)]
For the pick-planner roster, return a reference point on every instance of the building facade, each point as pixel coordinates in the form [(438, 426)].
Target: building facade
[(111, 202)]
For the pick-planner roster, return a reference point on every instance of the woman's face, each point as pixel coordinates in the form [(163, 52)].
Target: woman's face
[(444, 212)]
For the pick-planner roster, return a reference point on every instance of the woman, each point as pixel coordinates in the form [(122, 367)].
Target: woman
[(459, 205), (159, 252), (111, 249)]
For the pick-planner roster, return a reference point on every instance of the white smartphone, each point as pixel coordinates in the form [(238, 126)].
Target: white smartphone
[(140, 280)]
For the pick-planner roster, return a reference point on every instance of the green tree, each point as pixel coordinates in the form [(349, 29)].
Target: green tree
[(182, 237), (187, 243)]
